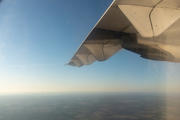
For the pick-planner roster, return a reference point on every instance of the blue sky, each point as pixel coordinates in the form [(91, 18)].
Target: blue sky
[(37, 39)]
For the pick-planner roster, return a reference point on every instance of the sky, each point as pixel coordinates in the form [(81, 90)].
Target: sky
[(37, 39)]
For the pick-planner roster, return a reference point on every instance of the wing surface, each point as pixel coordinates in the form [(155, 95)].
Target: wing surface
[(133, 17)]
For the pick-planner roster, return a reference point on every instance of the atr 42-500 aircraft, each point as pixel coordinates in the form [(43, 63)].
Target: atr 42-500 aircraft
[(150, 28)]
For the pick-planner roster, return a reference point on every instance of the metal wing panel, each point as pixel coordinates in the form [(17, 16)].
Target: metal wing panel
[(104, 31), (103, 40)]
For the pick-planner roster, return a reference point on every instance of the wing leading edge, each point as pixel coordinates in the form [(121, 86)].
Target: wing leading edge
[(145, 27)]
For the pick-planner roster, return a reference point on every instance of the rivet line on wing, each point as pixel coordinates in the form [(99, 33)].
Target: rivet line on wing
[(150, 16)]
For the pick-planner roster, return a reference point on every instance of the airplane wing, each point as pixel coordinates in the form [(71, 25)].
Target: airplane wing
[(149, 28)]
